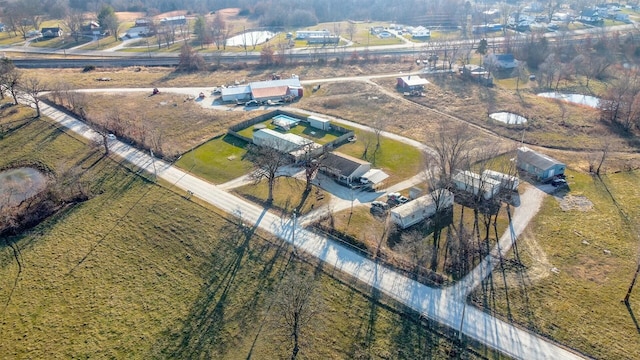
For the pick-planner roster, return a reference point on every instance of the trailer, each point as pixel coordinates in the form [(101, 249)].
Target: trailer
[(507, 182), (424, 207)]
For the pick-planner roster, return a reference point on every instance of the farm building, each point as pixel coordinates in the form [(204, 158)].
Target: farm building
[(286, 143), (420, 32), (319, 123), (501, 61), (344, 168), (264, 90), (411, 82), (234, 93), (476, 184), (173, 21), (506, 181), (421, 208), (542, 166)]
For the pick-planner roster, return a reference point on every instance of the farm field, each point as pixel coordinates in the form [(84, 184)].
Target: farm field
[(573, 266), (140, 272)]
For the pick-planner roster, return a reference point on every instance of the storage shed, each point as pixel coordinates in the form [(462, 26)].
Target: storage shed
[(411, 82), (506, 181), (542, 166), (319, 123), (476, 184), (421, 208)]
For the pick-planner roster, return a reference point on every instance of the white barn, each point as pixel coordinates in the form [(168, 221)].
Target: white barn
[(476, 184), (421, 208)]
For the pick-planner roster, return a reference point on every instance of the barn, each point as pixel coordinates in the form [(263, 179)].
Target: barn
[(264, 90), (233, 93), (542, 166), (421, 208)]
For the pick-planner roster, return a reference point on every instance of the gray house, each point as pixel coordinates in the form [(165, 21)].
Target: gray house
[(542, 166)]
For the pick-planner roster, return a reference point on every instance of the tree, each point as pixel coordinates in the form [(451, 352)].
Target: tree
[(267, 159), (450, 151), (10, 79), (190, 60), (32, 87), (483, 46), (201, 29), (219, 30), (74, 20), (351, 29), (108, 20), (267, 55), (295, 306)]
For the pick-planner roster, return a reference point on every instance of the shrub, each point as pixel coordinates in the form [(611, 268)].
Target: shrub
[(88, 68)]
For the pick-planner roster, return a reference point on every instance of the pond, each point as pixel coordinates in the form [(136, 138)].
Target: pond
[(508, 118), (579, 99), (250, 38), (19, 184)]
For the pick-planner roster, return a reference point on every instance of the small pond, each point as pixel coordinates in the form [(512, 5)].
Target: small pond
[(508, 118), (250, 38), (19, 184), (580, 99)]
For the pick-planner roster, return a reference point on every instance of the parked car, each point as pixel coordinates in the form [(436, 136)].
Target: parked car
[(252, 103), (381, 205), (558, 182)]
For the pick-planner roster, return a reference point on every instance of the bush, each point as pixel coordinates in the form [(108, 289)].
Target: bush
[(88, 68)]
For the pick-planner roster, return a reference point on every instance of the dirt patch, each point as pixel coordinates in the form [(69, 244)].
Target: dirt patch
[(574, 202)]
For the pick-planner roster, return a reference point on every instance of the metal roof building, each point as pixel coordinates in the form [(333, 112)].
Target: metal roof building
[(544, 167), (421, 208)]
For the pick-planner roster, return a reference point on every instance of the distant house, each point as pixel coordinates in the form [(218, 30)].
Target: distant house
[(375, 30), (421, 32), (51, 32), (542, 166), (421, 208), (411, 82), (477, 73), (264, 90), (476, 184), (344, 168), (306, 34), (501, 61), (142, 22), (590, 16), (323, 40), (173, 21)]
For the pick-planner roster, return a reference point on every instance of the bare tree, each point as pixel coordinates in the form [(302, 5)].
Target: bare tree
[(295, 306), (450, 150), (351, 29), (11, 82), (32, 87), (74, 20), (190, 60), (267, 160)]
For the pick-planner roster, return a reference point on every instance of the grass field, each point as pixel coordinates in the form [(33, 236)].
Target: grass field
[(218, 160), (287, 195), (140, 272), (579, 305)]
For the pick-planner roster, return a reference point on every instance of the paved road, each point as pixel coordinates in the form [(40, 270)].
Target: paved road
[(446, 306)]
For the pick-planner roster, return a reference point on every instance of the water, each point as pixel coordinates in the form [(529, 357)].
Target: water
[(250, 38), (508, 118), (19, 184), (285, 120), (579, 99)]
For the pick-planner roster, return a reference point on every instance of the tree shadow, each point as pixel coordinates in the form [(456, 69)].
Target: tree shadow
[(633, 317)]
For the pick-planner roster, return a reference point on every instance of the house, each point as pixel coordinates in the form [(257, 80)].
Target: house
[(411, 82), (306, 34), (476, 184), (507, 182), (542, 166), (482, 29), (421, 208), (421, 32), (173, 21), (477, 73), (142, 22), (344, 168), (590, 16), (501, 61), (292, 144), (323, 40), (51, 32), (375, 30)]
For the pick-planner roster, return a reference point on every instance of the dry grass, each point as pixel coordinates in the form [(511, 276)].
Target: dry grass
[(594, 253)]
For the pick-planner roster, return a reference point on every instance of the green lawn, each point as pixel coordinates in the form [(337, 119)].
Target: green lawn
[(218, 160), (401, 161), (580, 304), (140, 272)]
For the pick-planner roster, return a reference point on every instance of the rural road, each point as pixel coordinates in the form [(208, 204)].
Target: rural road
[(446, 306)]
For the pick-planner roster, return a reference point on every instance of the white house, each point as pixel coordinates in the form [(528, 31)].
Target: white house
[(420, 32), (476, 184), (421, 208), (306, 34)]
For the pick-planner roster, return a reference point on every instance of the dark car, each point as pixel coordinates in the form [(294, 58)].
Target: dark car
[(252, 103), (558, 182)]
